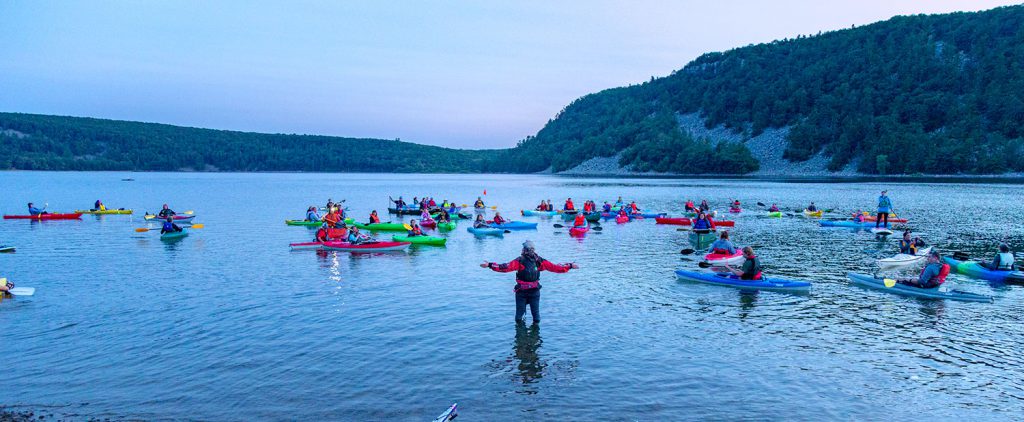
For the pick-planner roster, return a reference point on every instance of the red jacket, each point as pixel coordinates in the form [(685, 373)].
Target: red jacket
[(545, 265)]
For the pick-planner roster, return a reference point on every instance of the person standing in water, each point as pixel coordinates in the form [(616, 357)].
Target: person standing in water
[(884, 208), (528, 267)]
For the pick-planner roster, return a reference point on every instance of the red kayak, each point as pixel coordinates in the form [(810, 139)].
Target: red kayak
[(366, 247), (622, 219), (71, 216), (681, 221), (725, 223), (725, 259), (579, 231)]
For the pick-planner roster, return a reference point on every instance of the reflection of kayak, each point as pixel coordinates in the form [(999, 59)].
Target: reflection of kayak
[(903, 260), (940, 292), (104, 212), (172, 236), (70, 216), (421, 240), (532, 213), (976, 270), (366, 247), (578, 231), (702, 237), (486, 231), (730, 280), (735, 210), (724, 259), (303, 223)]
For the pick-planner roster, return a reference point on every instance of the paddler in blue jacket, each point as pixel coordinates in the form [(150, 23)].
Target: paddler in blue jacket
[(933, 275), (884, 208), (723, 246), (32, 210), (701, 223), (169, 226)]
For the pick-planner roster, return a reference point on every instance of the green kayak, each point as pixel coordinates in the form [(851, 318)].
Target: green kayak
[(775, 213), (303, 223), (384, 227), (421, 240), (174, 235), (702, 238), (446, 226), (593, 217)]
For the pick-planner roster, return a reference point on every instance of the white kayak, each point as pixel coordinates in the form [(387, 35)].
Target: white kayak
[(449, 414), (23, 291), (904, 260), (881, 231)]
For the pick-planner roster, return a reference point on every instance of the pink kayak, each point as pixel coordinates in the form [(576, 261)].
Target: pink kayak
[(428, 223), (69, 216), (723, 259), (578, 231), (367, 247)]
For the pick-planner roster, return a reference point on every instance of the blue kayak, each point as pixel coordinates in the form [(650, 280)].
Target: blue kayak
[(486, 231), (976, 270), (514, 225), (940, 292), (648, 214), (533, 213), (731, 280), (849, 223)]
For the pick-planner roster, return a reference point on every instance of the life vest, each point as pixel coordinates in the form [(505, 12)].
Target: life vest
[(908, 245), (719, 251), (478, 204), (569, 205), (528, 277), (634, 208), (432, 203), (1005, 261), (757, 268), (580, 221), (321, 235), (331, 219), (374, 219), (943, 272), (607, 207), (415, 231)]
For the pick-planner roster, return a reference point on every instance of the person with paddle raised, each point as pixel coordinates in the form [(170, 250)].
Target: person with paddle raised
[(884, 208), (528, 267), (932, 276)]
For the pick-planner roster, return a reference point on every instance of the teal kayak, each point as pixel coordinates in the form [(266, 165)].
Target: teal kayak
[(303, 223), (174, 235), (486, 231), (702, 238), (532, 213), (421, 240), (731, 280), (976, 270), (940, 292)]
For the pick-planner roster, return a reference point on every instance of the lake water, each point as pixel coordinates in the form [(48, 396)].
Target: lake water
[(229, 324)]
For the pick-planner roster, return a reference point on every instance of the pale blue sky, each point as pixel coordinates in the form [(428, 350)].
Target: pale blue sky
[(453, 73)]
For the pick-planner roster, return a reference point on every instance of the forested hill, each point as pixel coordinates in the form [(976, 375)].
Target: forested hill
[(38, 142), (916, 94)]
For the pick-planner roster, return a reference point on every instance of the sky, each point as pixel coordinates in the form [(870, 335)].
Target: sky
[(462, 74)]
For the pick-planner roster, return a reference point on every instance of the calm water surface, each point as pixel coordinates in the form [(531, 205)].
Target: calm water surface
[(228, 324)]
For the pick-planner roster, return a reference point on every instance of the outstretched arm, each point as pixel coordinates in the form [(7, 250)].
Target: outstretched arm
[(556, 268), (503, 268)]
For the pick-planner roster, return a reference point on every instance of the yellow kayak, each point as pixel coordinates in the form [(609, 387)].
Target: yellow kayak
[(813, 213), (98, 212)]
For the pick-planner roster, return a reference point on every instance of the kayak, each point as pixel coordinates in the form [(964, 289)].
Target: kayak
[(735, 210), (449, 414), (174, 235), (940, 292), (486, 231), (578, 231), (446, 226), (712, 214), (386, 227), (682, 221), (366, 247), (4, 249), (724, 259), (175, 218), (532, 213), (813, 213), (775, 213), (593, 217), (514, 225), (648, 214), (622, 219), (904, 260), (104, 212), (731, 280), (405, 210), (976, 270), (23, 291), (312, 245), (303, 223), (881, 231), (428, 223), (702, 237), (71, 216), (421, 240)]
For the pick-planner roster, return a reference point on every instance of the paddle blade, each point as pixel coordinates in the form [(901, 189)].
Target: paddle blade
[(889, 283), (559, 226), (704, 264), (142, 230), (197, 226), (407, 227), (597, 228), (761, 204), (189, 212), (687, 251)]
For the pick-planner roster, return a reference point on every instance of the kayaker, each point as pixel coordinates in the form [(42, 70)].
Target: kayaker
[(858, 216), (443, 216), (528, 267), (633, 208), (312, 214), (910, 246), (479, 203), (169, 226), (689, 206), (399, 203), (623, 213), (703, 223), (480, 222), (735, 203), (498, 219), (569, 206), (751, 269), (1004, 260), (414, 229), (774, 208), (166, 212), (723, 246), (884, 208), (332, 219), (432, 203), (619, 203), (580, 221), (374, 218), (704, 205), (425, 216), (542, 206), (551, 206), (606, 207), (812, 207), (587, 207), (5, 286), (98, 205), (330, 205), (933, 274), (355, 238), (322, 234), (32, 210)]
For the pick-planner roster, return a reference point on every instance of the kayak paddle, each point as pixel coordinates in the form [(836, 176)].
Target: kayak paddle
[(146, 229), (704, 264), (189, 212)]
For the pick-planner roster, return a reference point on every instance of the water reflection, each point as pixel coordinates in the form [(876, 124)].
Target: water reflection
[(525, 356)]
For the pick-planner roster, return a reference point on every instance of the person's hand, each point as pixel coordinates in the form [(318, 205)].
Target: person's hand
[(574, 265), (485, 265)]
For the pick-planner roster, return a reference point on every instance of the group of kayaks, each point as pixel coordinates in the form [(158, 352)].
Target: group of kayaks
[(77, 215)]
